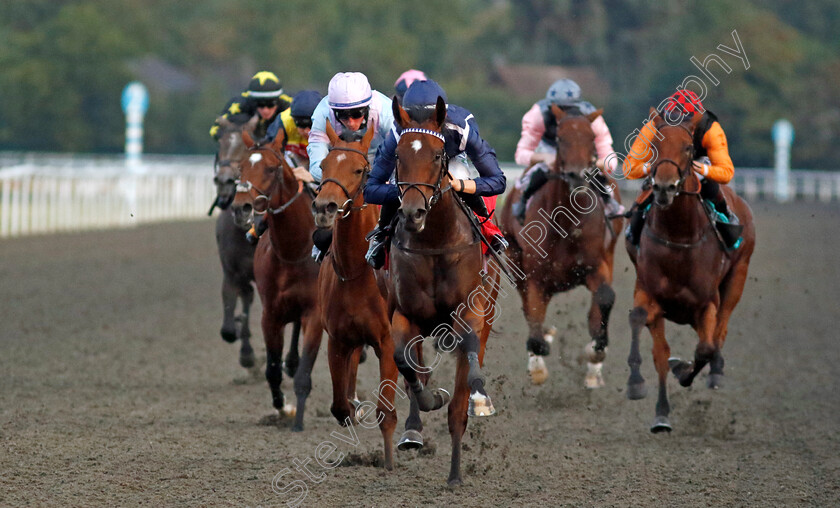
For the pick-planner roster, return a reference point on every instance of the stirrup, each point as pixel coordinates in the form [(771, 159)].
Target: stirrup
[(499, 243), (317, 254)]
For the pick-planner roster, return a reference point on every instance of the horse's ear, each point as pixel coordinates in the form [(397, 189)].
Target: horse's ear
[(366, 140), (247, 139), (333, 137), (400, 116), (595, 114), (695, 120), (440, 112), (279, 141), (558, 113)]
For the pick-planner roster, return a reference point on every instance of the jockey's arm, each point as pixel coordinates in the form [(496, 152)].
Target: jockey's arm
[(603, 145), (378, 189), (635, 164), (533, 129), (491, 180), (717, 149)]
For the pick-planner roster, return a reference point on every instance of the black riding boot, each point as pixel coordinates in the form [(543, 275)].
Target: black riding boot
[(637, 222), (538, 178), (380, 236), (729, 231), (322, 238)]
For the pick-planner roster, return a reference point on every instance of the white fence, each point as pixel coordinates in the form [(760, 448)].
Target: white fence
[(43, 193), (48, 194)]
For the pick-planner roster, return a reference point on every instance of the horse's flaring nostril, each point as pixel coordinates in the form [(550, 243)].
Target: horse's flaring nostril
[(332, 208)]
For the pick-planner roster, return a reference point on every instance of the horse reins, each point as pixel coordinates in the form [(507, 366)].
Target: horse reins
[(351, 198)]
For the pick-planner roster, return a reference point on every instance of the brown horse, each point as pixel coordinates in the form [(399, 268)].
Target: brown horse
[(683, 273), (353, 311), (436, 286), (285, 273), (566, 242)]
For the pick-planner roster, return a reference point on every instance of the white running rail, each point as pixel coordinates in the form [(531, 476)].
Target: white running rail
[(49, 193)]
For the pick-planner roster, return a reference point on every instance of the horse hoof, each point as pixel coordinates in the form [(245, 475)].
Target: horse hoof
[(410, 440), (444, 395), (660, 424), (359, 412), (288, 411), (454, 482), (537, 369), (480, 405), (247, 358), (550, 334), (715, 381), (594, 379), (593, 355), (637, 391), (228, 336)]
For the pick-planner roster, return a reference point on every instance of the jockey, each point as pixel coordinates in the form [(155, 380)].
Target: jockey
[(538, 142), (264, 97), (405, 80), (296, 123), (352, 108), (711, 161), (461, 135)]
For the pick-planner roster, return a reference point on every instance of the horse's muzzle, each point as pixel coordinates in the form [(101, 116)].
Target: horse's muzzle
[(324, 212), (414, 219), (243, 215)]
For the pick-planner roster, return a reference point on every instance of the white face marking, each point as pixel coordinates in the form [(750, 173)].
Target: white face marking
[(341, 157), (417, 145), (255, 158)]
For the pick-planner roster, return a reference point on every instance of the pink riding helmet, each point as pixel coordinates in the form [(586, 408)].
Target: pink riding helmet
[(349, 90), (406, 79)]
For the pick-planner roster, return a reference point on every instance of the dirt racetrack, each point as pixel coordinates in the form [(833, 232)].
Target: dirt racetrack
[(117, 390)]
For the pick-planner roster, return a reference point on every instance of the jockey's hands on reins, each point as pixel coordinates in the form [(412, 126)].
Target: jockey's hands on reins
[(302, 174), (701, 165)]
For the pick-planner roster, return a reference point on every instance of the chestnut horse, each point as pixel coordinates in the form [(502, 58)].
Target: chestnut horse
[(285, 273), (436, 286), (575, 245), (354, 312), (683, 273)]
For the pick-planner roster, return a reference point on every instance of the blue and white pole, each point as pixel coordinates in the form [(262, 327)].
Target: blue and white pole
[(783, 139), (135, 103)]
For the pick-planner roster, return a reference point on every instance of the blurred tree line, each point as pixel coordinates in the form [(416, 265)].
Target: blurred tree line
[(63, 63)]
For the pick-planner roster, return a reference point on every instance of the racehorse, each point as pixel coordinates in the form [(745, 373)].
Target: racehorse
[(436, 286), (353, 310), (235, 252), (575, 245), (285, 274), (683, 272)]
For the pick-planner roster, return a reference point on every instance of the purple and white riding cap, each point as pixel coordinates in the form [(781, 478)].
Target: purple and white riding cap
[(349, 90)]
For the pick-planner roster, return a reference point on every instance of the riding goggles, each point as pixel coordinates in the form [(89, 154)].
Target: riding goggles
[(344, 114)]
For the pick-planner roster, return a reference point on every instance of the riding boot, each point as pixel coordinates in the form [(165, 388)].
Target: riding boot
[(731, 229), (539, 177), (381, 235), (637, 222), (260, 226)]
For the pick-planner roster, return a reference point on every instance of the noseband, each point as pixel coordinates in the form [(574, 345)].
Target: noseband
[(348, 207), (437, 192)]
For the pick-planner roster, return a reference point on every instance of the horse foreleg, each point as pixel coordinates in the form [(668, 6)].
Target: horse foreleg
[(352, 373), (458, 411), (730, 293), (705, 326), (312, 332), (535, 300), (229, 295), (603, 298), (293, 356), (273, 335), (636, 388), (661, 352), (247, 358), (412, 437), (337, 356), (387, 390), (406, 334)]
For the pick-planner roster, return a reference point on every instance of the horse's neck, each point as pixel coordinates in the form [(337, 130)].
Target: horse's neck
[(683, 220), (349, 245), (288, 231)]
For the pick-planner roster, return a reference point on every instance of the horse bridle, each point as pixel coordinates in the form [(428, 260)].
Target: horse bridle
[(437, 192), (684, 172), (561, 175), (263, 195), (348, 207)]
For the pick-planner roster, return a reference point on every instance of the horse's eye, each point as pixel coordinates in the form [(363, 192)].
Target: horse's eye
[(358, 171)]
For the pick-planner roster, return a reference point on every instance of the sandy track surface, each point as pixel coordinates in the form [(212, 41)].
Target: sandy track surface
[(118, 390)]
